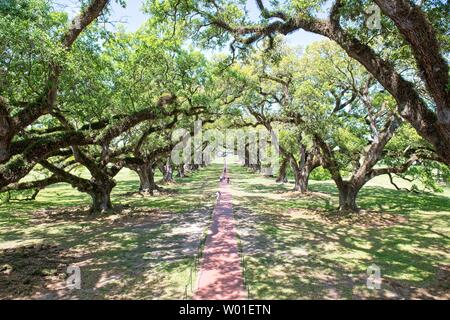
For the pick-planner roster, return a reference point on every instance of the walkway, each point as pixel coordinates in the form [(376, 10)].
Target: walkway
[(220, 275)]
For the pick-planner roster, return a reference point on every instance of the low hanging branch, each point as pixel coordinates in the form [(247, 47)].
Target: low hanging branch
[(30, 151), (39, 184), (391, 179), (396, 170), (36, 186)]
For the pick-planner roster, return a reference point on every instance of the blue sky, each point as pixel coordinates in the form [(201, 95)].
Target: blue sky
[(132, 18)]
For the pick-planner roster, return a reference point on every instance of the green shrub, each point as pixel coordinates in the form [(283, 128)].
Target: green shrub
[(320, 174)]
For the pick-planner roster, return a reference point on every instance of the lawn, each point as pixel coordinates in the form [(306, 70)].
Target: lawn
[(298, 247), (293, 246), (144, 250)]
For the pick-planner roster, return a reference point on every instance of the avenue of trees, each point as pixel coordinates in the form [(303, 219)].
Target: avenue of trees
[(76, 97)]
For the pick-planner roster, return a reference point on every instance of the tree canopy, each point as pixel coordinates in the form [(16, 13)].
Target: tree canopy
[(372, 100)]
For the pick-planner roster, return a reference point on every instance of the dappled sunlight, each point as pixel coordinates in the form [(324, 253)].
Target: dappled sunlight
[(294, 246), (300, 248), (119, 121), (142, 250)]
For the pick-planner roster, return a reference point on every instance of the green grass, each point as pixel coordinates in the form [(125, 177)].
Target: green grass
[(144, 250), (296, 247)]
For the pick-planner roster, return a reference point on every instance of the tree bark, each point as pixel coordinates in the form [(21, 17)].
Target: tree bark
[(282, 175), (301, 175), (38, 185), (347, 197), (309, 161), (181, 171), (413, 24), (101, 196), (194, 167), (256, 167), (167, 172), (297, 177), (5, 130), (302, 180), (147, 179)]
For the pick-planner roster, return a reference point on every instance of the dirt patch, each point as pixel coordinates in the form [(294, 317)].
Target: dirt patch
[(162, 192), (81, 213), (26, 270), (298, 194), (159, 247)]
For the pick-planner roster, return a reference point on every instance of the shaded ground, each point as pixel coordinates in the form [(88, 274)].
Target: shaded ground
[(138, 252), (296, 247)]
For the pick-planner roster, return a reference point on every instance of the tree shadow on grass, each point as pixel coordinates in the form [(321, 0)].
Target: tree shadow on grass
[(384, 199), (370, 197), (145, 255), (141, 259), (302, 258), (257, 187), (295, 249)]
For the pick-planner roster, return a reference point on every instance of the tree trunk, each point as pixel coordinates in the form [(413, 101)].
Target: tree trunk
[(101, 196), (302, 179), (302, 171), (167, 172), (35, 194), (145, 185), (147, 179), (298, 184), (4, 149), (246, 157), (255, 167), (194, 167), (181, 172), (303, 168), (5, 131), (282, 175), (347, 197), (168, 176)]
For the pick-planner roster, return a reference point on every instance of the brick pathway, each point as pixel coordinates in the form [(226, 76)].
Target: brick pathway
[(220, 275)]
